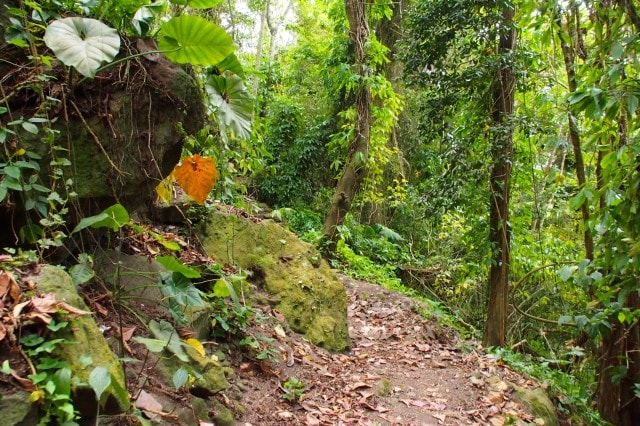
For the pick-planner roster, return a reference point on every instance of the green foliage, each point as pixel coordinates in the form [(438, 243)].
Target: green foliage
[(232, 104), (52, 377), (181, 295), (572, 397), (300, 164), (293, 389)]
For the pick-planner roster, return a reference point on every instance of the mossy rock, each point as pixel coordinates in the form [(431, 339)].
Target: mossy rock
[(138, 277), (309, 294), (84, 341), (538, 403), (17, 410)]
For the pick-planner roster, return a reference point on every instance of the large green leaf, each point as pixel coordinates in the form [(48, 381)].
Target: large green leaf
[(82, 43), (175, 265), (114, 217), (203, 4), (232, 102), (231, 63), (194, 40)]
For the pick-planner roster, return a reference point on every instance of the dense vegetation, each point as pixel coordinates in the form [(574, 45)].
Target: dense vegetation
[(484, 154)]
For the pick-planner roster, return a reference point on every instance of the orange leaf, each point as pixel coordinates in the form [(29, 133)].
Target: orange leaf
[(196, 175)]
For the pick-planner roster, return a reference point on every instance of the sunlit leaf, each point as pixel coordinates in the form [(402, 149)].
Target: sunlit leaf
[(82, 43), (203, 4), (196, 175), (165, 189), (197, 345), (193, 40), (221, 289), (232, 64)]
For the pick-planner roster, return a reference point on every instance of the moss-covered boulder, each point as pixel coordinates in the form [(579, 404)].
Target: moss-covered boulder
[(538, 403), (84, 342), (113, 137), (309, 294)]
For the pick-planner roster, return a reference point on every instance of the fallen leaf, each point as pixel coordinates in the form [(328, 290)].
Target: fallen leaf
[(311, 420), (127, 333), (441, 417), (280, 331), (147, 402), (25, 383), (358, 385), (285, 414), (8, 286)]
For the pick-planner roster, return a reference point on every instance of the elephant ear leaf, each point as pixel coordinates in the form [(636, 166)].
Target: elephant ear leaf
[(196, 175), (82, 43), (232, 102), (193, 40)]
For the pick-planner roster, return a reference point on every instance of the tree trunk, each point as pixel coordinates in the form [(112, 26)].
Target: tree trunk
[(502, 153), (260, 48), (568, 53), (358, 148), (619, 371)]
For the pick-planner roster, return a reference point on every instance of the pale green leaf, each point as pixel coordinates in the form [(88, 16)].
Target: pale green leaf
[(566, 272), (152, 345), (221, 289), (232, 102), (164, 331), (82, 43), (180, 378), (81, 273), (99, 380)]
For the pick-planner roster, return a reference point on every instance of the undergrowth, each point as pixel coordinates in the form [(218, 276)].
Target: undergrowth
[(570, 396)]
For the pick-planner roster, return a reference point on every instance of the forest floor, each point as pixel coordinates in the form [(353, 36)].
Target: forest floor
[(401, 369)]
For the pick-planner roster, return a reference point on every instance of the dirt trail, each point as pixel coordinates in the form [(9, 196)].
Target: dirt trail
[(401, 370)]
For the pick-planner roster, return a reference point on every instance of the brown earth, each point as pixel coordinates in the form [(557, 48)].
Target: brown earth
[(401, 370)]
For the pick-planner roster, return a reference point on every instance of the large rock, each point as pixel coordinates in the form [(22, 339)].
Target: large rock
[(84, 341), (309, 294), (118, 134), (17, 410), (538, 403)]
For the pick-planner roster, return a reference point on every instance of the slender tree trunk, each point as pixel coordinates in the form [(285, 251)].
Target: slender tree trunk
[(568, 52), (358, 148), (260, 47), (502, 153), (274, 26)]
